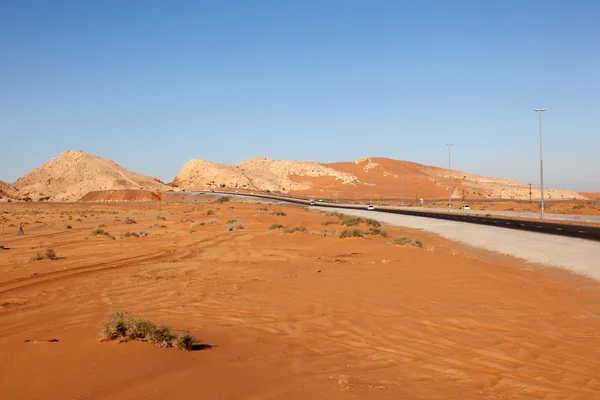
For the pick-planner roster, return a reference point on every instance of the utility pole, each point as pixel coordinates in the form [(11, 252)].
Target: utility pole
[(402, 183), (540, 111), (371, 183), (449, 176), (529, 193)]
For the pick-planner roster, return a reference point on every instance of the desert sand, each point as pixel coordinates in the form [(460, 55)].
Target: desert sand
[(282, 315)]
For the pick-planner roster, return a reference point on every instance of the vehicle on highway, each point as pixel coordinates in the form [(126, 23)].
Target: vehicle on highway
[(311, 202), (465, 207), (371, 207)]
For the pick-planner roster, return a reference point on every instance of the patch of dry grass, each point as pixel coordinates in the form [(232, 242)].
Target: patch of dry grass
[(125, 327), (46, 254), (407, 240), (292, 229)]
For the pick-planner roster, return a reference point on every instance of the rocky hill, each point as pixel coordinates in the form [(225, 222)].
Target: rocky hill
[(428, 182), (73, 173), (6, 191), (258, 173)]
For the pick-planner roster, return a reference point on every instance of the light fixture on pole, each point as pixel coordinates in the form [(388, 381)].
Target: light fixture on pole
[(540, 111), (449, 176)]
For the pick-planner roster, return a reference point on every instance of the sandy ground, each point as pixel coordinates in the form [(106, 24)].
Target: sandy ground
[(292, 316)]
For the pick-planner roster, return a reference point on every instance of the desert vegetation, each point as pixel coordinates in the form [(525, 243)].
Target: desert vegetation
[(138, 234), (407, 240), (279, 213), (46, 254), (297, 228), (124, 327), (233, 225), (129, 221), (275, 226)]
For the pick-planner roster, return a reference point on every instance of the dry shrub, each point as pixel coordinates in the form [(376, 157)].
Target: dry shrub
[(275, 226), (124, 327), (347, 233), (407, 240), (279, 213), (377, 231), (210, 212), (46, 254), (129, 221), (138, 234), (222, 200), (292, 229), (326, 232), (325, 223), (234, 225)]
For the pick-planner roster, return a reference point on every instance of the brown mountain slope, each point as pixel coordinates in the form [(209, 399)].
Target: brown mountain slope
[(74, 173), (258, 173), (352, 180), (591, 195), (421, 181), (6, 191)]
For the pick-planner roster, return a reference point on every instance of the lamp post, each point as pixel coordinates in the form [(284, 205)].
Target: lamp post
[(371, 183), (449, 176), (402, 183), (540, 111)]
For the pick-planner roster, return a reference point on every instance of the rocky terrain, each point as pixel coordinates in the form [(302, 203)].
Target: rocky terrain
[(257, 173), (73, 173)]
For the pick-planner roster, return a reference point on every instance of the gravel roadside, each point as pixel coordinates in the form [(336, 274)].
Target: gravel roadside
[(578, 255)]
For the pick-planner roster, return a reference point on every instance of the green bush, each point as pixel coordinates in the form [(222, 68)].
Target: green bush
[(407, 240), (124, 327)]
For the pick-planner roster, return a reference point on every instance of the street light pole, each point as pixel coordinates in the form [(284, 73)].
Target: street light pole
[(371, 183), (402, 183), (540, 111), (449, 176)]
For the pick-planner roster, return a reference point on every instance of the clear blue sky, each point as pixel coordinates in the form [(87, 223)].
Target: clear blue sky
[(152, 84)]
